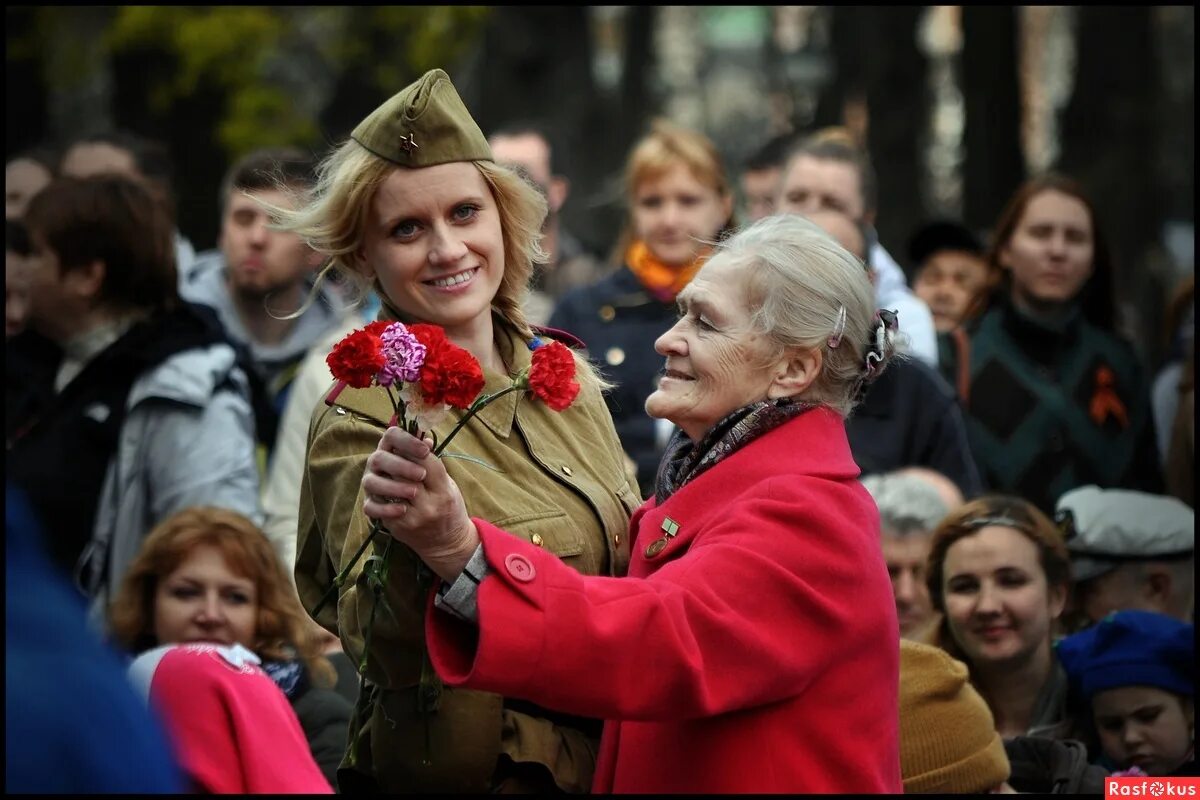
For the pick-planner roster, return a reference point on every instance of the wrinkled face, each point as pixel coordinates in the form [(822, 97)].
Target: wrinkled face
[(23, 178), (1050, 251), (715, 362), (203, 600), (998, 604), (816, 184), (16, 293), (674, 214), (1144, 727), (948, 281), (761, 188), (434, 243), (905, 558), (98, 158), (259, 260)]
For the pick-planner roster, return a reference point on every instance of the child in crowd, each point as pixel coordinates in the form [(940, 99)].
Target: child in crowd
[(1136, 671)]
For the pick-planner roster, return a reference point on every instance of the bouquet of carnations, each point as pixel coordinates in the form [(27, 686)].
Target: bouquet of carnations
[(426, 375)]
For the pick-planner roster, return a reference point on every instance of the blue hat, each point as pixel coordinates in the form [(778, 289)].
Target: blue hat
[(1131, 648)]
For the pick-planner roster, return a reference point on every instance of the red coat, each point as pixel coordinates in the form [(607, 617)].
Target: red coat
[(758, 652)]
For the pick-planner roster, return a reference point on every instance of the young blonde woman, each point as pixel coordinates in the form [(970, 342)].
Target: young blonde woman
[(414, 205)]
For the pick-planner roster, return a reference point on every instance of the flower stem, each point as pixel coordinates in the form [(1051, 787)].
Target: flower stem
[(340, 579), (475, 408)]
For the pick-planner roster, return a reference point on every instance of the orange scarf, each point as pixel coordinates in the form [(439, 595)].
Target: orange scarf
[(662, 280)]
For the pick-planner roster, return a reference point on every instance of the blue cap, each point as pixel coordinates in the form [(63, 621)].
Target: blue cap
[(1131, 648)]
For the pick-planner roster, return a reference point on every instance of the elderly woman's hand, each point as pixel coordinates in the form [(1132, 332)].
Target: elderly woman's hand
[(409, 492)]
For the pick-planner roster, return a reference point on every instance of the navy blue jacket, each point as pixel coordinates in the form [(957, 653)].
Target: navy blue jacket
[(910, 417), (618, 321)]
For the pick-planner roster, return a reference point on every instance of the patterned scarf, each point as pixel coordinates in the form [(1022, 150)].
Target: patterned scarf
[(685, 460), (662, 280)]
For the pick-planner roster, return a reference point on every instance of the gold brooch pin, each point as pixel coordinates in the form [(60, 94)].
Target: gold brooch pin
[(670, 527)]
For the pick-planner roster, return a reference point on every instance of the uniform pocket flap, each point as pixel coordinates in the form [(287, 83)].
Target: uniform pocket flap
[(549, 529)]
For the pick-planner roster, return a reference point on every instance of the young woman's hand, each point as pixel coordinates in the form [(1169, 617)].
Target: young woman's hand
[(409, 492)]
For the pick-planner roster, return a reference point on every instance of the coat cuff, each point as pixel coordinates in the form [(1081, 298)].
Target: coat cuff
[(508, 642)]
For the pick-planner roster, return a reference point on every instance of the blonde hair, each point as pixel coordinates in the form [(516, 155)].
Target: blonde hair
[(799, 279), (281, 629), (332, 219), (665, 147)]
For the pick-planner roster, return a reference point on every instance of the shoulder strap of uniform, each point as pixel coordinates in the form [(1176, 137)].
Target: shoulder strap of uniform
[(569, 339)]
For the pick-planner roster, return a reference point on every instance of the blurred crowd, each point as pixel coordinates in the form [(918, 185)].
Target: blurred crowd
[(1033, 477)]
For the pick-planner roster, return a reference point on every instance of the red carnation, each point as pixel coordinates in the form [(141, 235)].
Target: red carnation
[(358, 357), (452, 376), (552, 375), (432, 336)]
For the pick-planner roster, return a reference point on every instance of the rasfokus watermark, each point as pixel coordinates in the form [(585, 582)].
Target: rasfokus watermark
[(1151, 787)]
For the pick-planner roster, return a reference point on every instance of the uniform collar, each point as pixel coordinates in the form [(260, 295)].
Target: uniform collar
[(502, 414)]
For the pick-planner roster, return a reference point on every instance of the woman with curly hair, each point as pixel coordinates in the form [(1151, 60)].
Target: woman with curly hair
[(209, 575)]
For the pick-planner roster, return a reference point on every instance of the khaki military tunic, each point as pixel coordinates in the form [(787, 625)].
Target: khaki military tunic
[(554, 478)]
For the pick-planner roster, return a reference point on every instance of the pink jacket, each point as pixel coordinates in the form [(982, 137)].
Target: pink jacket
[(757, 652), (232, 729)]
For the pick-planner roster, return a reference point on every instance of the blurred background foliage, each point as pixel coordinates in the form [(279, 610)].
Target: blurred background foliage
[(956, 104)]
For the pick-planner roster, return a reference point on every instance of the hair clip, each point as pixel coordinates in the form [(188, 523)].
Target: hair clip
[(839, 327), (983, 522), (890, 319)]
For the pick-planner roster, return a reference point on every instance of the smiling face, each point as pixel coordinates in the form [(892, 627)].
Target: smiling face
[(998, 604), (674, 214), (1144, 727), (203, 600), (434, 242), (716, 362), (1050, 251), (260, 260)]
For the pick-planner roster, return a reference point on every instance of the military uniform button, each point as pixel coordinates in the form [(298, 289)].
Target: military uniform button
[(616, 540), (607, 313), (567, 470), (615, 356), (536, 539)]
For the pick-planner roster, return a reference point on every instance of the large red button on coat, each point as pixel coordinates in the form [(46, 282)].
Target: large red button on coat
[(520, 567)]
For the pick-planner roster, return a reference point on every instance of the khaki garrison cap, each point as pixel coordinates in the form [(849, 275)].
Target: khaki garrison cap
[(424, 124)]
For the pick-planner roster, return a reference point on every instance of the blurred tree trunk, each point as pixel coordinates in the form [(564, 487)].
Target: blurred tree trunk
[(25, 85), (994, 165), (846, 78), (898, 104), (536, 64), (1108, 136), (877, 62)]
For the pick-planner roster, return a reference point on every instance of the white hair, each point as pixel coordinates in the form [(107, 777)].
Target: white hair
[(800, 280)]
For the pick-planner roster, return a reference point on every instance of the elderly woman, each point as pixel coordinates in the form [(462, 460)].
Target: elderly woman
[(414, 205), (753, 646)]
